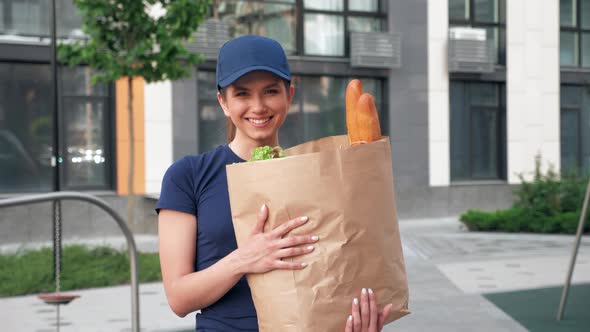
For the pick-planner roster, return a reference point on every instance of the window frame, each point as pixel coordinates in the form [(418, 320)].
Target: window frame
[(578, 30), (501, 26), (344, 13)]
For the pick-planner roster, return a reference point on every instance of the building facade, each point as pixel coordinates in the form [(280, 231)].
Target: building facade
[(462, 129)]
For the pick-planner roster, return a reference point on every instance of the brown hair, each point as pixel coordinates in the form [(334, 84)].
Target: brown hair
[(230, 127)]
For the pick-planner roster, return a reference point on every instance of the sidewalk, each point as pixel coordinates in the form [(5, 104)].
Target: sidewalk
[(449, 272)]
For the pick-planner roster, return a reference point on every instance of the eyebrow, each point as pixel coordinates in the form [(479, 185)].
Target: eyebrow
[(243, 88)]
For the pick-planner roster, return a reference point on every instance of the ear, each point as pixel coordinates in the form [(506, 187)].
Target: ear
[(291, 93), (222, 103)]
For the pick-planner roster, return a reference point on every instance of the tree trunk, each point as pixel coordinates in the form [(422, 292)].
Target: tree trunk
[(130, 193)]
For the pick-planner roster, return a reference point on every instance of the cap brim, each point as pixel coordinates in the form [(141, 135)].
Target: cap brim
[(233, 77)]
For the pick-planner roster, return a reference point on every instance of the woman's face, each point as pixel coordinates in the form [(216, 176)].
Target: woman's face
[(257, 103)]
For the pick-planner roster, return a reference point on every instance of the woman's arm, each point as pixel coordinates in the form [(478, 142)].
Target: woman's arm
[(188, 291)]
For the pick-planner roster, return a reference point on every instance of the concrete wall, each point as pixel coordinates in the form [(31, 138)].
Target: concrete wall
[(158, 133), (532, 84)]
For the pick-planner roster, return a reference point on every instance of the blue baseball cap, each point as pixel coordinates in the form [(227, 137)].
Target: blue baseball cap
[(244, 54)]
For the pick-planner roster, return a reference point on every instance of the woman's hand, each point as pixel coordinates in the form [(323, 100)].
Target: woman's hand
[(365, 315), (264, 252)]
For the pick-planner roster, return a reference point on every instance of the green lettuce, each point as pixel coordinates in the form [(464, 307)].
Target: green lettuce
[(267, 152)]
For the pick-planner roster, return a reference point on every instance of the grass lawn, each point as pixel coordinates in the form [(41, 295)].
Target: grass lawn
[(536, 309), (31, 271)]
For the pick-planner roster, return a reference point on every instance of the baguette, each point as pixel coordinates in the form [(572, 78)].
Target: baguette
[(353, 92), (369, 129)]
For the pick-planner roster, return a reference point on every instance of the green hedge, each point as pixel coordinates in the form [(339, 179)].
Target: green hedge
[(550, 203)]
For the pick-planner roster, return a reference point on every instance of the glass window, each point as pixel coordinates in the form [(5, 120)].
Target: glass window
[(364, 24), (459, 9), (478, 136), (26, 128), (567, 13), (212, 130), (334, 5), (363, 5), (324, 35), (575, 129), (568, 50), (586, 50), (585, 13), (69, 22), (274, 20), (486, 11)]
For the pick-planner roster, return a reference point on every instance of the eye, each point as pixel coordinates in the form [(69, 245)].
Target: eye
[(241, 94), (272, 91)]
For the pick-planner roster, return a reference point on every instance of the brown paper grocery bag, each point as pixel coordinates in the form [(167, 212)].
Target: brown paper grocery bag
[(347, 192)]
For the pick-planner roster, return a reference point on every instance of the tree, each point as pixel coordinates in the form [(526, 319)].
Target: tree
[(130, 38)]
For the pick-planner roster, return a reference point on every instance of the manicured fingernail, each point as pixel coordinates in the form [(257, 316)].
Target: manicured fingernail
[(364, 291), (350, 318), (310, 248), (304, 264), (304, 219), (370, 291), (356, 301), (262, 207), (315, 238)]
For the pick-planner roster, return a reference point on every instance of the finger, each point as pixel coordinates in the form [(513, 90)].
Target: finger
[(288, 226), (384, 314), (365, 312), (374, 316), (356, 315), (293, 241), (348, 327), (292, 252), (261, 220), (283, 265)]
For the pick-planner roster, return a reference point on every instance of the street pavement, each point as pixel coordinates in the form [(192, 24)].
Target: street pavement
[(448, 270)]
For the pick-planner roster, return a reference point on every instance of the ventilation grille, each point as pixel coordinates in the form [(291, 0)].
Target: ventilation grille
[(375, 50), (470, 52), (210, 36)]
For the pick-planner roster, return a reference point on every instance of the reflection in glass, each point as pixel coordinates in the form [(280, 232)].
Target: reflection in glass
[(364, 24), (586, 50), (84, 163), (26, 128), (336, 5), (486, 11), (459, 9), (274, 20), (567, 13), (324, 35), (363, 5), (568, 48), (77, 82)]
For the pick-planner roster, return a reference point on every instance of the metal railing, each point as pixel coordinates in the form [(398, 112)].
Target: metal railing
[(65, 195)]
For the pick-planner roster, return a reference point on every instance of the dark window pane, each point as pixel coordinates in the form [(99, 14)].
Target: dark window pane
[(460, 166), (585, 13), (69, 23), (502, 9), (76, 82), (363, 5), (459, 9), (336, 5), (486, 11), (502, 47), (26, 128), (568, 52), (212, 131), (323, 106), (273, 20), (26, 18), (292, 132), (483, 94), (324, 35), (569, 139), (571, 97), (85, 161), (586, 50), (364, 24), (567, 13), (484, 132)]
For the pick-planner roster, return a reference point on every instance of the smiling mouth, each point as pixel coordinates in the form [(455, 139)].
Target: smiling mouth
[(259, 121)]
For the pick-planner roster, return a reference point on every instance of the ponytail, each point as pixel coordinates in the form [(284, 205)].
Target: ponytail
[(230, 128)]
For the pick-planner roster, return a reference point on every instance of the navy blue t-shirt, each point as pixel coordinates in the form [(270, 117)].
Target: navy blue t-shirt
[(198, 185)]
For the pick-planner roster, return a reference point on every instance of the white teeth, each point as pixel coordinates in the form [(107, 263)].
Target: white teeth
[(259, 121)]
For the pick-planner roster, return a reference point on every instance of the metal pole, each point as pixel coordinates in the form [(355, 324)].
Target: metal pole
[(568, 278), (24, 200)]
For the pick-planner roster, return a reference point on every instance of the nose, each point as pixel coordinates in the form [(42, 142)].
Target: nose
[(258, 105)]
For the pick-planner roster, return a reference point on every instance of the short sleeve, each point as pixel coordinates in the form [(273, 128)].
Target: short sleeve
[(177, 191)]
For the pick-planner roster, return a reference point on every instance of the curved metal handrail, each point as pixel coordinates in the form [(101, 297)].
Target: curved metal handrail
[(70, 195)]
